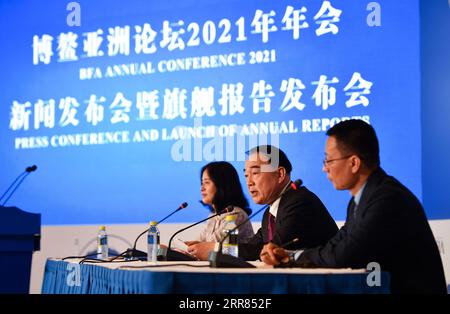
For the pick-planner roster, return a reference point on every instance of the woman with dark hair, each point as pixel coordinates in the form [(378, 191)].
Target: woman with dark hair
[(220, 188)]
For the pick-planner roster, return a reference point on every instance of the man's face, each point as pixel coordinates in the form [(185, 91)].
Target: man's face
[(338, 166), (264, 186)]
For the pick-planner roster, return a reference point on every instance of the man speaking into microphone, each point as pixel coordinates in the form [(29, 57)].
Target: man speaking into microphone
[(294, 212)]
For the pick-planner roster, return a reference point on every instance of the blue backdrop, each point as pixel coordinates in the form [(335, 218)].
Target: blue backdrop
[(435, 69), (103, 108)]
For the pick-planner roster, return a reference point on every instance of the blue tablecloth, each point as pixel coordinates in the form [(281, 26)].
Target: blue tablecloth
[(59, 278)]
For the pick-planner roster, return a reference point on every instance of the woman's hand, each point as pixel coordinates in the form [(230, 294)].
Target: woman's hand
[(201, 249)]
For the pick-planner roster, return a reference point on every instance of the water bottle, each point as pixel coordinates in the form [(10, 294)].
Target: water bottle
[(102, 243), (153, 242), (230, 244)]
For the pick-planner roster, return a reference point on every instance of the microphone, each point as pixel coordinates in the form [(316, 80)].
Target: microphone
[(294, 185), (22, 177), (176, 256), (130, 253), (31, 169), (219, 260), (183, 205)]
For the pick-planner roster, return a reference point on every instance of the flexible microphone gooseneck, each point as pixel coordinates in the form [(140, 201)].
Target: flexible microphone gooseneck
[(22, 177), (184, 205), (228, 209), (219, 260), (135, 253)]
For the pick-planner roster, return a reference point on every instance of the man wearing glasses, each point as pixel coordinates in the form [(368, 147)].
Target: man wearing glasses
[(385, 222)]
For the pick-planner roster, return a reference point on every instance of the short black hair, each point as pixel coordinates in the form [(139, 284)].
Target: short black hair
[(228, 187), (358, 137), (270, 151)]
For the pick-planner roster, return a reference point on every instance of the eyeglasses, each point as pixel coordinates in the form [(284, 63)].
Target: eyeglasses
[(326, 162)]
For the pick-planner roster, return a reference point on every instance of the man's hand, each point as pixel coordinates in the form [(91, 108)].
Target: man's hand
[(271, 254), (201, 250)]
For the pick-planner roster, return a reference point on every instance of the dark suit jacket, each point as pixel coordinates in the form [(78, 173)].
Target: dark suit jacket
[(390, 228), (302, 215)]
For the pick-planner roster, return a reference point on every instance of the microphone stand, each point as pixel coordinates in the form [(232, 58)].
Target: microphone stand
[(219, 260), (133, 253), (12, 184), (22, 177), (172, 255)]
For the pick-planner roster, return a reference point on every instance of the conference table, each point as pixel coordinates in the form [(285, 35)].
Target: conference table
[(138, 277)]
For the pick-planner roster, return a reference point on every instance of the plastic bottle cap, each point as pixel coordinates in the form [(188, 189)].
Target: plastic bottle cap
[(230, 218), (102, 228), (153, 223)]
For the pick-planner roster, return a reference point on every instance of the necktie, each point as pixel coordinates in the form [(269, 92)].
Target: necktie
[(271, 227), (352, 208)]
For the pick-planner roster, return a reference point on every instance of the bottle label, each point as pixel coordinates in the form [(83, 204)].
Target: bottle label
[(102, 241), (233, 239), (151, 239)]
